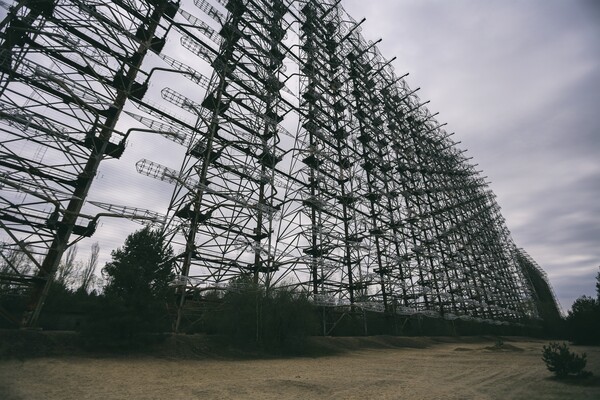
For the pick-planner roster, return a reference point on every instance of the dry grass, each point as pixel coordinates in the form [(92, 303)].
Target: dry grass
[(356, 368)]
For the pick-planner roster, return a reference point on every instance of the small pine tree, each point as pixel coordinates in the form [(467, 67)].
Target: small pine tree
[(133, 309), (562, 362), (141, 269)]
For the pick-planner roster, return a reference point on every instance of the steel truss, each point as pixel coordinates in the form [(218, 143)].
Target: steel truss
[(307, 161), (67, 69)]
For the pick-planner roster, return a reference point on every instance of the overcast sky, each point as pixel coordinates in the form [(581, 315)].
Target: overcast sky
[(519, 83)]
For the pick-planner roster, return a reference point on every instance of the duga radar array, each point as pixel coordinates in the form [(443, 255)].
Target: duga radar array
[(305, 160)]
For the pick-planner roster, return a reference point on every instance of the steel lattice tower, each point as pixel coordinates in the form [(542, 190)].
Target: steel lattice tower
[(305, 160), (68, 67)]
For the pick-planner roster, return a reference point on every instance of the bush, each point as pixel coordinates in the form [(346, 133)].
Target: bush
[(288, 319), (562, 362), (277, 320), (115, 324)]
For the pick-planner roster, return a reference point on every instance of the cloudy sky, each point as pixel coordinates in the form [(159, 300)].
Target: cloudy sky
[(519, 83)]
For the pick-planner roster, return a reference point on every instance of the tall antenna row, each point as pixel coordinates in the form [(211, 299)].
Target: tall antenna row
[(303, 159)]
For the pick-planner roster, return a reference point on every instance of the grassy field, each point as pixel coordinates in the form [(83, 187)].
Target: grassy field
[(354, 368)]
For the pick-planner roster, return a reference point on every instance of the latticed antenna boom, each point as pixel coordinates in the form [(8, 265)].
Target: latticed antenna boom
[(307, 161)]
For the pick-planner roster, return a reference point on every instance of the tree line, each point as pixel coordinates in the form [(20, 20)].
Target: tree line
[(72, 274), (133, 302)]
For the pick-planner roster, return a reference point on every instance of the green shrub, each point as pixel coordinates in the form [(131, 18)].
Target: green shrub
[(562, 362), (116, 324), (276, 320), (288, 318)]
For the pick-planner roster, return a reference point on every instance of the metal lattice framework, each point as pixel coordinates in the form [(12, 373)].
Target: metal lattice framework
[(306, 161)]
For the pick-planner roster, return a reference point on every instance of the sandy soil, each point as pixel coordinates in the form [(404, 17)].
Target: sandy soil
[(442, 369)]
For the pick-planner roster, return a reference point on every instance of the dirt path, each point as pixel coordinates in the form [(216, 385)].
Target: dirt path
[(440, 371)]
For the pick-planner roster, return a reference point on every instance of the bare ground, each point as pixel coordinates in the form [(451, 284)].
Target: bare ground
[(357, 368)]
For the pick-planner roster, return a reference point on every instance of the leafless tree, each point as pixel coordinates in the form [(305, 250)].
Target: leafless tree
[(68, 269), (87, 273), (13, 261)]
